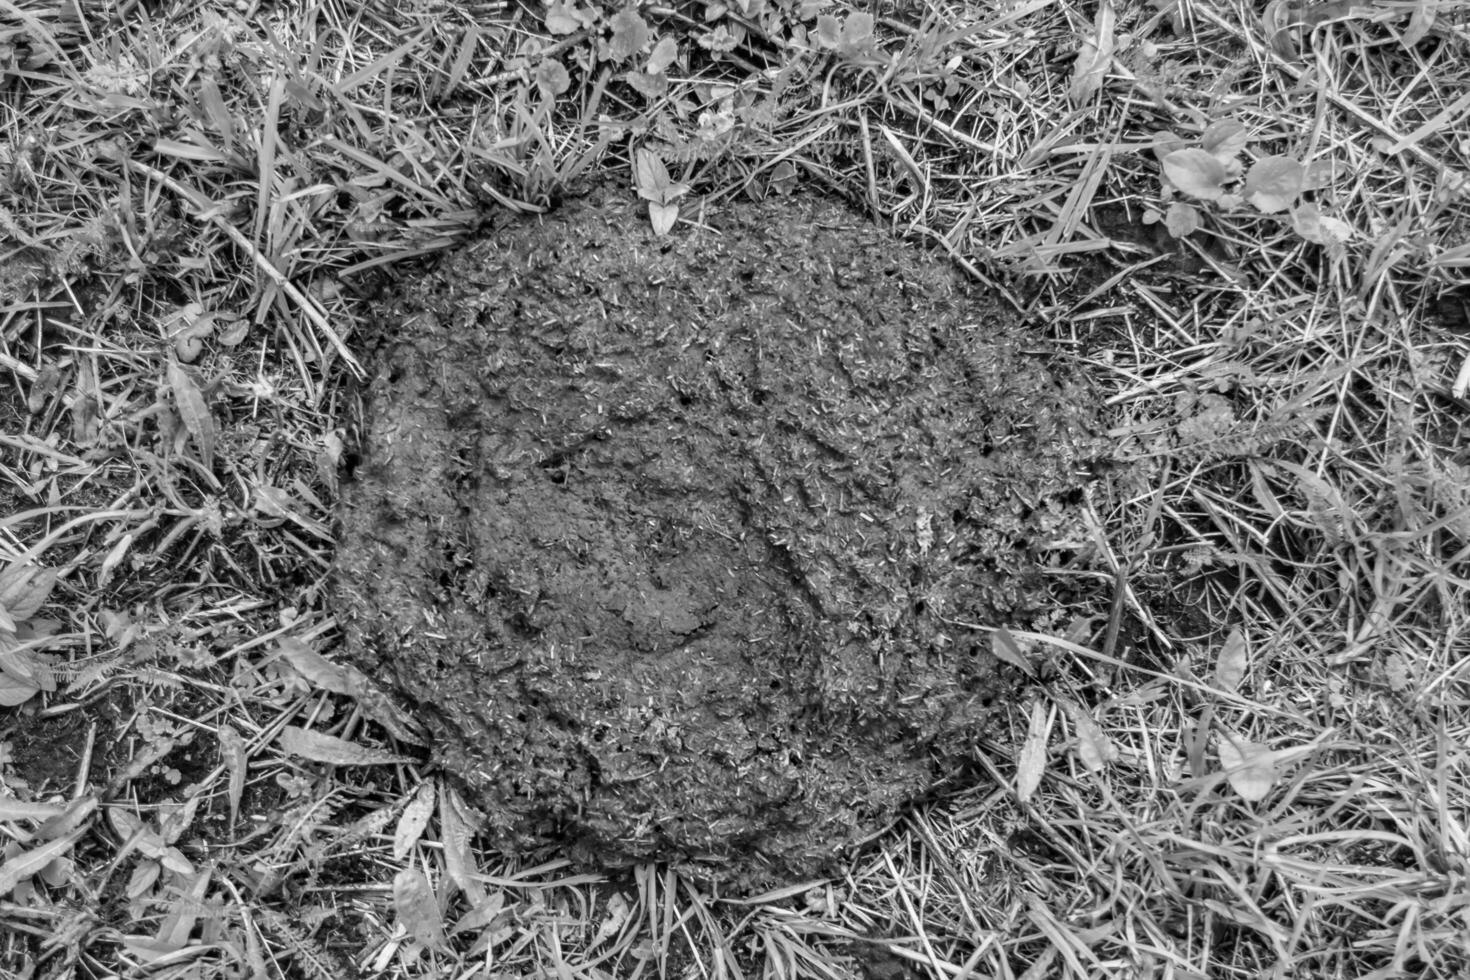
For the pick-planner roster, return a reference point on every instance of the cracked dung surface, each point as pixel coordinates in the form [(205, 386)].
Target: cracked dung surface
[(666, 541)]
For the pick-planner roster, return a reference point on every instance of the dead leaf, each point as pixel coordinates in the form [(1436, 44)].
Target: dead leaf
[(1094, 57), (617, 912), (1032, 763), (77, 812), (13, 809), (1231, 663), (1005, 649), (320, 747), (456, 825), (193, 411), (28, 863), (414, 819), (1095, 750), (317, 670), (1250, 768), (24, 589), (418, 908), (232, 752)]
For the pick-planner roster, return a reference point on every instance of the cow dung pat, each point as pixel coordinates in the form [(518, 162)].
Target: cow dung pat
[(677, 545)]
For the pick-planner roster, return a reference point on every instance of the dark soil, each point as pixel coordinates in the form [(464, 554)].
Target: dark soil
[(671, 542)]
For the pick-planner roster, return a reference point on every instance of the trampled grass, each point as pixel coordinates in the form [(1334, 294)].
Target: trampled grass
[(1247, 759)]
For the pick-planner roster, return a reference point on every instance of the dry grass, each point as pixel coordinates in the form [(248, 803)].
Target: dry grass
[(1251, 753)]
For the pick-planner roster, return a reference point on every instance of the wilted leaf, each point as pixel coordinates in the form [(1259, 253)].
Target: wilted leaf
[(1230, 664), (783, 178), (148, 950), (1005, 649), (1196, 172), (1094, 748), (616, 916), (1421, 19), (318, 670), (232, 332), (77, 812), (1094, 57), (1319, 228), (13, 809), (1281, 31), (1273, 183), (418, 908), (193, 411), (664, 54), (1224, 139), (629, 34), (455, 828), (237, 762), (1249, 768), (24, 589), (28, 863), (1032, 763), (320, 747), (413, 821)]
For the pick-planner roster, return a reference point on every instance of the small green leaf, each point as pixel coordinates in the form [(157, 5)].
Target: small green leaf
[(664, 54), (1196, 172), (663, 217), (1224, 139), (552, 77), (630, 34), (1182, 219), (14, 691), (564, 18), (1273, 183), (651, 175)]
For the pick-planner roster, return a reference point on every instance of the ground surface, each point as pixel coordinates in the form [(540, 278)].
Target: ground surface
[(683, 550), (1244, 758)]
